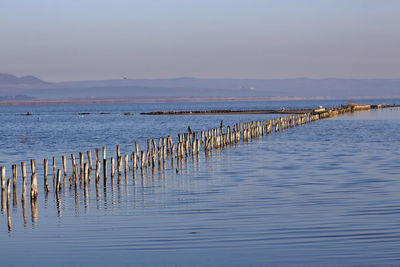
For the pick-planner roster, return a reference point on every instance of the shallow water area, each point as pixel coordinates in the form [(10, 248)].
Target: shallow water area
[(325, 193)]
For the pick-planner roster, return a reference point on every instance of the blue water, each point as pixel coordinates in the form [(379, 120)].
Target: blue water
[(325, 193)]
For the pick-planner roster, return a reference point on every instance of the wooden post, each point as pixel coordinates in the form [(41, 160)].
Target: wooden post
[(97, 170), (33, 166), (45, 163), (104, 153), (86, 168), (73, 160), (105, 171), (3, 178), (14, 170), (134, 159), (64, 160), (118, 152), (112, 166), (81, 158), (119, 165), (89, 154), (137, 150), (23, 170), (126, 163), (143, 161), (54, 166)]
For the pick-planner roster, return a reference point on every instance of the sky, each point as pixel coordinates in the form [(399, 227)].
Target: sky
[(63, 40)]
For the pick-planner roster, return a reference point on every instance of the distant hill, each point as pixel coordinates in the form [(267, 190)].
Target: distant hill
[(296, 88), (9, 80)]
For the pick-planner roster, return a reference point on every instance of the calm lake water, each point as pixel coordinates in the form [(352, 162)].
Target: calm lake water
[(326, 193)]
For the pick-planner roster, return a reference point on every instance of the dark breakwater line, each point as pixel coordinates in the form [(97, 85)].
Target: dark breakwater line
[(260, 111)]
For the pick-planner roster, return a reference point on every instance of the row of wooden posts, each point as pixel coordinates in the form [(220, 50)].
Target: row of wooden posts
[(157, 150), (188, 143)]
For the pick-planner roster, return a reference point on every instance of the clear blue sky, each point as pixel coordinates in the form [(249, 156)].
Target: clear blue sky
[(59, 40)]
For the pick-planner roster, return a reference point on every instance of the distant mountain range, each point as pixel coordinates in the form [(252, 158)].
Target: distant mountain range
[(9, 80), (297, 88)]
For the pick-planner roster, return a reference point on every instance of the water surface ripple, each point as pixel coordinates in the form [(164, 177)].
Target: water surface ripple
[(326, 193)]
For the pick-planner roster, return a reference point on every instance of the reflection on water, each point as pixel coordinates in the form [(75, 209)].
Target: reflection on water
[(322, 194)]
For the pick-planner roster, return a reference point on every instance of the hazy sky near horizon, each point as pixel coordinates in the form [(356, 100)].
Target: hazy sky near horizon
[(59, 40)]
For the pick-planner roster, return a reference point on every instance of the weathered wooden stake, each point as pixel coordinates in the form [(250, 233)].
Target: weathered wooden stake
[(126, 163), (64, 160), (89, 154), (112, 166), (23, 170), (3, 178), (105, 171), (54, 166), (97, 170), (45, 163), (81, 158), (134, 159), (86, 168), (143, 161), (73, 160), (33, 166)]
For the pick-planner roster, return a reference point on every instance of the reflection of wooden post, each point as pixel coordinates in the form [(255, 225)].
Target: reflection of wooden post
[(8, 204), (3, 200), (34, 209), (24, 208), (58, 185)]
